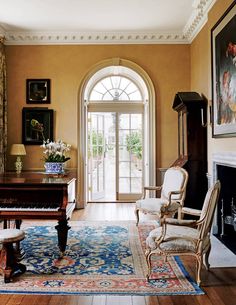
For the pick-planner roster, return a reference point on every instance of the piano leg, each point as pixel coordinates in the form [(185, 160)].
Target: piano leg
[(62, 233), (18, 223)]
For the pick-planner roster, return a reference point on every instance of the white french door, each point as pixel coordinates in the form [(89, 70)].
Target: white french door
[(129, 156), (96, 152), (115, 156)]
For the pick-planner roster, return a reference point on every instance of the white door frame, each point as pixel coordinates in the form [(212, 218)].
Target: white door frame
[(150, 122)]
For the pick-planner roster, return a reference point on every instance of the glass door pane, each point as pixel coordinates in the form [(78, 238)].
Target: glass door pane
[(96, 149), (129, 151), (101, 156)]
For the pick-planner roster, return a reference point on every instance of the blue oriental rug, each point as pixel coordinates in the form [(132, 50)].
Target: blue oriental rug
[(101, 258)]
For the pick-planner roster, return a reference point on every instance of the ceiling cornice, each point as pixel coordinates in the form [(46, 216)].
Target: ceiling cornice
[(48, 38), (198, 18), (191, 29)]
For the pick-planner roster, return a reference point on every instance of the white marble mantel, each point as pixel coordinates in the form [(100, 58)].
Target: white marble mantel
[(225, 159), (222, 158)]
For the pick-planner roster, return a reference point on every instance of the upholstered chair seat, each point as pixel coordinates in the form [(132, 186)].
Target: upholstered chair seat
[(156, 205), (185, 239)]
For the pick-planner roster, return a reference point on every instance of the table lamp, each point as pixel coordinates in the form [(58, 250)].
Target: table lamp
[(18, 150)]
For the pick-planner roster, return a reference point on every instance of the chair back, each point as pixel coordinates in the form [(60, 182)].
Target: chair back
[(175, 179), (208, 209)]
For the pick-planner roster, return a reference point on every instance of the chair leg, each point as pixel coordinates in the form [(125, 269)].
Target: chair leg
[(199, 267), (136, 212), (206, 258), (148, 255)]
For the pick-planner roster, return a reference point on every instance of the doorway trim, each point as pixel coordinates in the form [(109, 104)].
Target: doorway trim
[(82, 123)]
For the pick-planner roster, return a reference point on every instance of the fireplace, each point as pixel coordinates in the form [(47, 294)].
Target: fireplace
[(224, 169)]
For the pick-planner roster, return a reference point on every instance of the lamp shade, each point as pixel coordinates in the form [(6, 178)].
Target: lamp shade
[(18, 150)]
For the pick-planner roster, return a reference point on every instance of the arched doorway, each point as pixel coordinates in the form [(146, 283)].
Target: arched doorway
[(117, 132)]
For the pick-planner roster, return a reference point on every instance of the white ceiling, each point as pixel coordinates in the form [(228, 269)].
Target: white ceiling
[(101, 21)]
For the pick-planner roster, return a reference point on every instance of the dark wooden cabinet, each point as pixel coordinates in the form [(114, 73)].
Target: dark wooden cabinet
[(192, 144)]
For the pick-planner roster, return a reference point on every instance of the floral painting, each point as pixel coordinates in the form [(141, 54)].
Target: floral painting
[(224, 74)]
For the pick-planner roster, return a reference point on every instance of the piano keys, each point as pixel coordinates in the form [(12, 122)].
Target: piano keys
[(33, 195)]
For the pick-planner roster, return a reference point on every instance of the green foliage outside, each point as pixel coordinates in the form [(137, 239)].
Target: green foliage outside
[(134, 144), (97, 143)]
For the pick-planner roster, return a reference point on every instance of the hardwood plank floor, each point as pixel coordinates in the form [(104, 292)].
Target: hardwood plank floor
[(219, 283)]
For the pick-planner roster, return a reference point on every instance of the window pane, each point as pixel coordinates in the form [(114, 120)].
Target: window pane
[(95, 96), (115, 80), (115, 88), (131, 88), (135, 96), (124, 97), (136, 185), (124, 121), (124, 185), (124, 155), (100, 123), (100, 88), (100, 172), (136, 121), (136, 167), (124, 168), (124, 83)]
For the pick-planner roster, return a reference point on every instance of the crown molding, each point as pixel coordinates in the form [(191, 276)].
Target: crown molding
[(195, 23), (198, 18), (52, 38)]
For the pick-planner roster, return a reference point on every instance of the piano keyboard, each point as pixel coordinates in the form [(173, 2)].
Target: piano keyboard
[(30, 206)]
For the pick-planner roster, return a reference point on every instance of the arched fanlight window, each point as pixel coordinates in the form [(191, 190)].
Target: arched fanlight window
[(115, 88)]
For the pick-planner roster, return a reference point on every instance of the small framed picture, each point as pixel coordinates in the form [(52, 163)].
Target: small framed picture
[(38, 91), (37, 125)]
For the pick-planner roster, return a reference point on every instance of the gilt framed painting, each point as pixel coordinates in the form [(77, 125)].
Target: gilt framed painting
[(223, 47), (37, 125)]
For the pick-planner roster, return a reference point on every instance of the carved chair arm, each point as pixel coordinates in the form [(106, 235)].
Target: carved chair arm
[(170, 194), (191, 211), (150, 188), (181, 222)]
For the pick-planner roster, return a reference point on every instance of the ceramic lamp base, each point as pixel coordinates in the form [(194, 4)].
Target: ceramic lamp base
[(18, 165)]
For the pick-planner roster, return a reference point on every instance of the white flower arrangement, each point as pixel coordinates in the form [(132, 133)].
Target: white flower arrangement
[(55, 151)]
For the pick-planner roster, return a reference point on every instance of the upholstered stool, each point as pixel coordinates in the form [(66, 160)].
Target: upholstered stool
[(9, 265)]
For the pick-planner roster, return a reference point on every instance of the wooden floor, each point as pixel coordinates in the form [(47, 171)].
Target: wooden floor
[(219, 283)]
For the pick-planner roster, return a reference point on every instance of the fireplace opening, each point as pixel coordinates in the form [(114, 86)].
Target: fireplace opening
[(226, 210)]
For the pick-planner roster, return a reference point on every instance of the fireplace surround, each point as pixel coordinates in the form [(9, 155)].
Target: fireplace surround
[(224, 226)]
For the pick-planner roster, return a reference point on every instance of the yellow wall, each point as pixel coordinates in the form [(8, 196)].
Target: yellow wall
[(201, 75), (167, 65)]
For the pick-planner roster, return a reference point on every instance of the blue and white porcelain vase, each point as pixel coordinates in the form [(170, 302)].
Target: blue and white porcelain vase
[(54, 167)]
